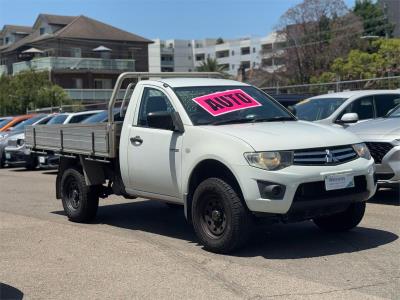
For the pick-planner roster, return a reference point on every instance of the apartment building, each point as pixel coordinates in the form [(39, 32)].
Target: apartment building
[(248, 53), (79, 53), (171, 56)]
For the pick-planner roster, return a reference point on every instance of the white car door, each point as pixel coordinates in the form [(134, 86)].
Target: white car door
[(154, 155)]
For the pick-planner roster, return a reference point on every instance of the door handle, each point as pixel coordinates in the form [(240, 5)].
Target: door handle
[(137, 140)]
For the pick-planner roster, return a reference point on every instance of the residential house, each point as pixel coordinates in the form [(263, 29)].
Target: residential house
[(80, 53)]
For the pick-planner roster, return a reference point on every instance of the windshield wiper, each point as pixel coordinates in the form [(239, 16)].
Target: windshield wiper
[(274, 119), (233, 121), (253, 120)]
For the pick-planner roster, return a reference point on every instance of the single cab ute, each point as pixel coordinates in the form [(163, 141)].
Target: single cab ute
[(224, 150)]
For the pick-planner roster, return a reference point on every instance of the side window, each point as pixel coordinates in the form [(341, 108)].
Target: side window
[(364, 107), (79, 118), (153, 100), (384, 103)]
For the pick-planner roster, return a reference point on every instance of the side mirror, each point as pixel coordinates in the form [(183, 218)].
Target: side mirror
[(349, 118), (165, 120)]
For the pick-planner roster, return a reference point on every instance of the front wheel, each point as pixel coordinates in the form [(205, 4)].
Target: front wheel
[(80, 202), (220, 220), (342, 221)]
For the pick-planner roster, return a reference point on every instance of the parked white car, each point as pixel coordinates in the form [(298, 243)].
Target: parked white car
[(382, 137), (347, 108), (72, 118), (224, 150)]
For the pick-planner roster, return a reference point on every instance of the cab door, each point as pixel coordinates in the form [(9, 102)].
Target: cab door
[(154, 155)]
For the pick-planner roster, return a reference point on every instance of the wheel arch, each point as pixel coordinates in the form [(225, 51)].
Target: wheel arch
[(204, 169)]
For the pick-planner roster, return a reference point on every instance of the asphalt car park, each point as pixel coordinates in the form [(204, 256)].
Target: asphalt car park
[(143, 249)]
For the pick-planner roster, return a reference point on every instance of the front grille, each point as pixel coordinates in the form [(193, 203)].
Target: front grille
[(316, 190), (12, 143), (379, 150), (324, 156)]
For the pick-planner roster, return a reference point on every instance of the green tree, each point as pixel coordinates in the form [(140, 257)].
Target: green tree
[(375, 22), (29, 90), (316, 33), (211, 65), (384, 61)]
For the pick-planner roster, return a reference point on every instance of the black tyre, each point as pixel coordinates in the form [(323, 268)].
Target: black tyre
[(80, 202), (31, 163), (220, 220), (342, 221), (2, 161)]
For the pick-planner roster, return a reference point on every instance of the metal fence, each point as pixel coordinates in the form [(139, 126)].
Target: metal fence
[(392, 82)]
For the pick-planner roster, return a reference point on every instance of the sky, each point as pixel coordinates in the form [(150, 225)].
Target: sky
[(180, 19)]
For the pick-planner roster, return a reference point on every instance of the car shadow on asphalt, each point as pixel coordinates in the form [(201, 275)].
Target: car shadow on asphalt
[(9, 292), (280, 241), (386, 196)]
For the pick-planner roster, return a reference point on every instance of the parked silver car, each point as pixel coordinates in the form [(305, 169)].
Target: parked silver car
[(382, 137)]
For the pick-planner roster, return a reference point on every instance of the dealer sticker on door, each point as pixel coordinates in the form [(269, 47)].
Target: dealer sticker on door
[(220, 103), (339, 181)]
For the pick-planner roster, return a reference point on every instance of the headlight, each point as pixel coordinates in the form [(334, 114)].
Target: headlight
[(20, 142), (3, 136), (272, 160), (362, 151)]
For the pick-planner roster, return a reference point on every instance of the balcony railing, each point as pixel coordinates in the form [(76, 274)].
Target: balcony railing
[(95, 95), (74, 63), (3, 70)]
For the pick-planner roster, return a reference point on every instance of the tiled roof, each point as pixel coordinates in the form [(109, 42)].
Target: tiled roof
[(80, 27)]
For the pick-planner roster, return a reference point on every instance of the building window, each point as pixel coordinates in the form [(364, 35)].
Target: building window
[(7, 40), (42, 30), (200, 57), (245, 64), (233, 52), (76, 52), (254, 49), (254, 64), (189, 45), (233, 67), (77, 83), (245, 51), (189, 57), (103, 83), (171, 45)]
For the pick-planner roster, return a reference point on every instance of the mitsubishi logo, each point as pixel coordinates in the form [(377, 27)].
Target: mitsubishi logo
[(329, 158)]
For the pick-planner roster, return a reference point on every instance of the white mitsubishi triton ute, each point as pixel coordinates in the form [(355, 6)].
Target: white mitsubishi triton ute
[(226, 151)]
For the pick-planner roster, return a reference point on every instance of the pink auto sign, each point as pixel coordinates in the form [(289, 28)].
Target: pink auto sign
[(220, 103)]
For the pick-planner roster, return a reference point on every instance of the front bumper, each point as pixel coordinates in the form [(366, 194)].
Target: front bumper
[(16, 156), (293, 178), (388, 171)]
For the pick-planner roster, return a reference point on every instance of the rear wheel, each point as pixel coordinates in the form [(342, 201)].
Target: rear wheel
[(220, 220), (80, 201), (342, 221), (32, 163)]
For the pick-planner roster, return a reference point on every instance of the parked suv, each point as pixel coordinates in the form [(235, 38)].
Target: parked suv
[(346, 108)]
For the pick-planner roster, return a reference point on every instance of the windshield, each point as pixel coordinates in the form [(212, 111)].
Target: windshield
[(4, 122), (27, 122), (58, 119), (317, 108), (395, 113), (229, 104), (103, 117)]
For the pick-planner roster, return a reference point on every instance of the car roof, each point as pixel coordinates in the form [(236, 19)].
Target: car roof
[(188, 82), (81, 113), (349, 94)]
